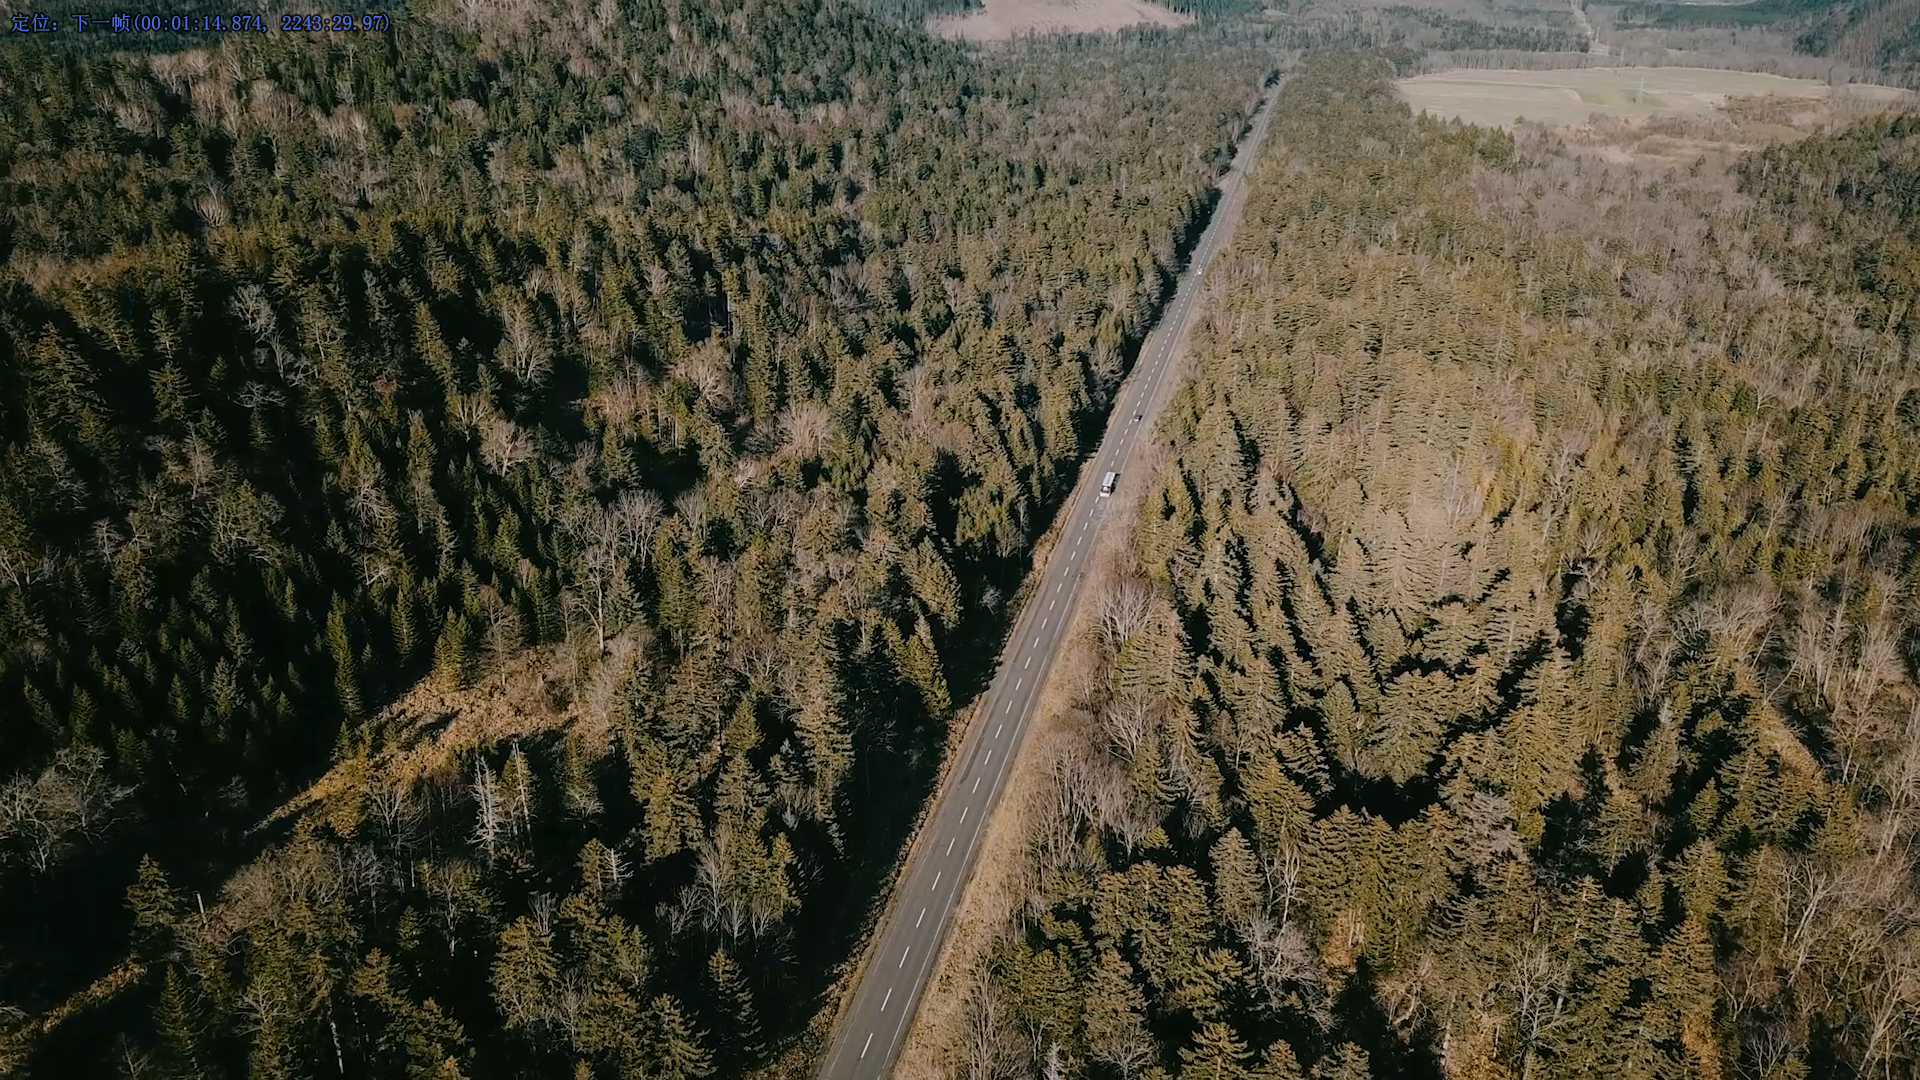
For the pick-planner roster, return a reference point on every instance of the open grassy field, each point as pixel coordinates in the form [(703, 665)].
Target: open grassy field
[(1572, 97), (1000, 20)]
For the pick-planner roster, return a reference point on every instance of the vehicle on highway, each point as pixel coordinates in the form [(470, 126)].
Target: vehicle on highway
[(1106, 486)]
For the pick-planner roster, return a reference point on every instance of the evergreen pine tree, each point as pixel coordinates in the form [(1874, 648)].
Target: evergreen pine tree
[(346, 673), (1235, 885), (451, 665), (156, 907), (1346, 1062), (177, 1023), (743, 1023), (674, 1045), (1114, 1014), (578, 791), (1216, 1053)]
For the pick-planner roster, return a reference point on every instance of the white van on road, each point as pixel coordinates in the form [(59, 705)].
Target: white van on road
[(1106, 486)]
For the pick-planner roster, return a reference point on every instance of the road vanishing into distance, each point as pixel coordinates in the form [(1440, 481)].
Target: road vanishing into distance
[(872, 1026)]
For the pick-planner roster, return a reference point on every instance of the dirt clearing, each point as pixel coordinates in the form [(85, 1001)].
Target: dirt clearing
[(1002, 20), (1574, 97)]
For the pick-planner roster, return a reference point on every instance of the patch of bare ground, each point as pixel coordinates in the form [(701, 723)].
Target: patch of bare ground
[(426, 730), (1004, 20), (955, 1012), (1654, 118), (1574, 97)]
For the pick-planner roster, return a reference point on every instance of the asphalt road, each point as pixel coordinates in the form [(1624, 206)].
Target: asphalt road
[(873, 1025)]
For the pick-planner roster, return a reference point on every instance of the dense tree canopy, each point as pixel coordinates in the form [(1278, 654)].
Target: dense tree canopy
[(726, 359), (1516, 676)]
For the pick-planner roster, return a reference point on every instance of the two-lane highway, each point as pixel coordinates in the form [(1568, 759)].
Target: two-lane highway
[(871, 1027)]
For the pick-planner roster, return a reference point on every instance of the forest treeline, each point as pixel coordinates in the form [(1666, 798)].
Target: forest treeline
[(729, 355), (1512, 674), (1450, 33), (1883, 34), (1876, 35)]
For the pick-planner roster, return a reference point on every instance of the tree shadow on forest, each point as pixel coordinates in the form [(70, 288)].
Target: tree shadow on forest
[(1363, 1022), (74, 920)]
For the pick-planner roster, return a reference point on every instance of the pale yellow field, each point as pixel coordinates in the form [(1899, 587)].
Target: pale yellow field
[(1565, 98), (1004, 19)]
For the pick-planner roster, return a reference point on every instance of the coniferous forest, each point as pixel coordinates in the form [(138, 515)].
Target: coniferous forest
[(501, 520), (494, 516), (1511, 672)]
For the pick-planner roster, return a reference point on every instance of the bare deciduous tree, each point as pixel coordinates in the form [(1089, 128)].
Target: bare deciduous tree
[(990, 1051), (489, 819), (1537, 981), (72, 799), (1124, 607), (1127, 721), (602, 588), (504, 444), (524, 345)]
